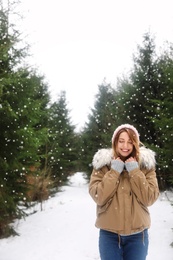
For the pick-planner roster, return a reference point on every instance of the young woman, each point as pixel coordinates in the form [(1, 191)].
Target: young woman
[(123, 184)]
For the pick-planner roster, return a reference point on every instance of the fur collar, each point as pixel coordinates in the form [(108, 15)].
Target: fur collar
[(104, 156)]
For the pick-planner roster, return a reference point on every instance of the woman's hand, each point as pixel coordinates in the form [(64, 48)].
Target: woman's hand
[(131, 164), (117, 164), (118, 158)]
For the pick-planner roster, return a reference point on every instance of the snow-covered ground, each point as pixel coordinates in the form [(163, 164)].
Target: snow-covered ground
[(65, 228)]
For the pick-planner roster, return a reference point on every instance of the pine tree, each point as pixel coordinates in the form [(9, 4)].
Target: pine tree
[(11, 171), (62, 151), (145, 87), (102, 122), (163, 106), (23, 111)]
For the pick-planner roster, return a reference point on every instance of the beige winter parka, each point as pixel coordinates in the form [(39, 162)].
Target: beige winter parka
[(122, 199)]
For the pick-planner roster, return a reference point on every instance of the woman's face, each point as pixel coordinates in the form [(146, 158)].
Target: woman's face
[(124, 145)]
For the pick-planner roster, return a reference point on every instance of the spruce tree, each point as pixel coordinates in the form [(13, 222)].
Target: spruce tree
[(12, 171), (163, 106), (23, 111), (143, 80), (102, 122), (62, 146)]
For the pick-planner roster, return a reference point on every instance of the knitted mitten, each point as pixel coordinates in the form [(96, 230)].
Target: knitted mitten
[(131, 165)]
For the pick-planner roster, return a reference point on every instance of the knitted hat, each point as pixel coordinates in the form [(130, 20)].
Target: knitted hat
[(125, 126)]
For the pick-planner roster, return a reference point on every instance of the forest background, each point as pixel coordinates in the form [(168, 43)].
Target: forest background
[(39, 146)]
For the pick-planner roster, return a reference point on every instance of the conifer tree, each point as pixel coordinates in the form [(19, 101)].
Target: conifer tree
[(163, 120), (10, 168), (62, 145), (23, 111), (102, 122), (143, 87), (146, 101)]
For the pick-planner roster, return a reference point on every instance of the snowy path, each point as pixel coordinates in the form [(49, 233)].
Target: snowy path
[(65, 229)]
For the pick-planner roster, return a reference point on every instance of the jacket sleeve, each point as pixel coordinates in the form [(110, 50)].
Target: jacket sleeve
[(144, 185), (103, 184)]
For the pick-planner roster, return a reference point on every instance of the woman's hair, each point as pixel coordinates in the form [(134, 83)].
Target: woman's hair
[(133, 138)]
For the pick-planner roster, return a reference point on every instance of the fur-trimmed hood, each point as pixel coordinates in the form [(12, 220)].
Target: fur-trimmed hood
[(104, 156)]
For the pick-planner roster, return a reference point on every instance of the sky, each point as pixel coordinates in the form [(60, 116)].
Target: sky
[(79, 44), (65, 229)]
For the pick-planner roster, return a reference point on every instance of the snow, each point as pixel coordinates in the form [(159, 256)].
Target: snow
[(65, 229)]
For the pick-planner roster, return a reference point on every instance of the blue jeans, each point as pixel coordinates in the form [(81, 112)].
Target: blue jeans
[(116, 247)]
